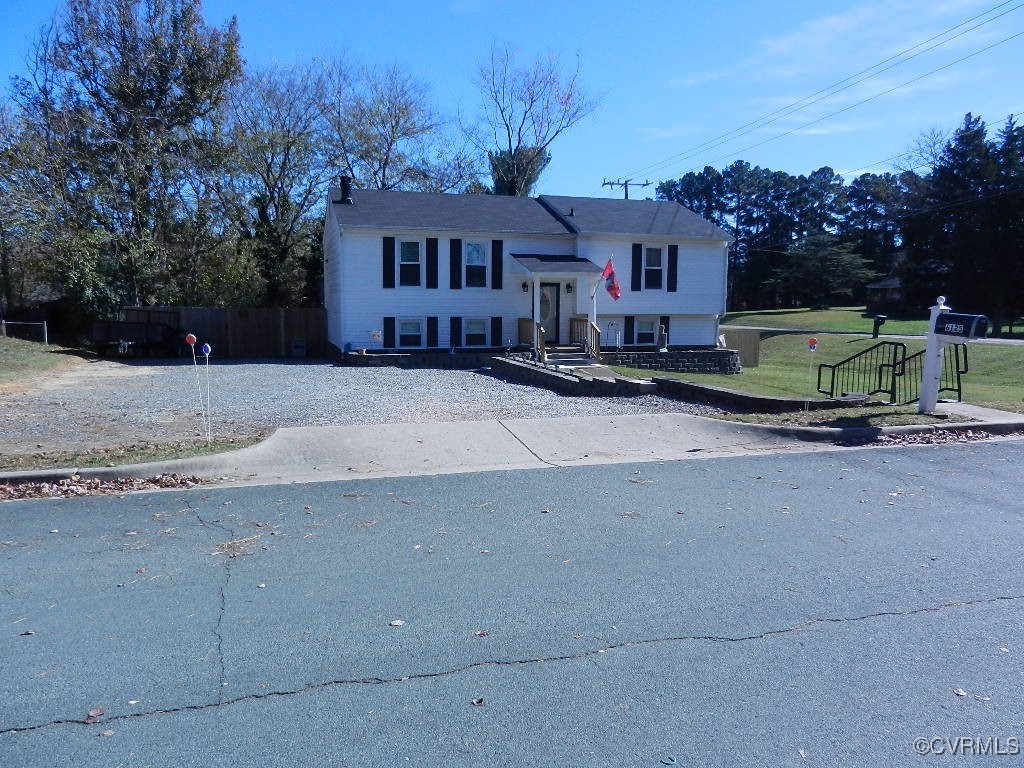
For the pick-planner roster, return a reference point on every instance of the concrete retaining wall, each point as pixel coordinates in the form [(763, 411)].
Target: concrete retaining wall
[(684, 390), (440, 359), (725, 361)]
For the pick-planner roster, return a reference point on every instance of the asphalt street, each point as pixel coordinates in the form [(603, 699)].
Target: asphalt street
[(846, 608)]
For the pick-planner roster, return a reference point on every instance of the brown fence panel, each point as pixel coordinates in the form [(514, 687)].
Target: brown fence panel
[(207, 323), (747, 341), (245, 333)]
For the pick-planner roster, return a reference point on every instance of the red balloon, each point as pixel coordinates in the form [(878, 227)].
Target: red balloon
[(190, 339)]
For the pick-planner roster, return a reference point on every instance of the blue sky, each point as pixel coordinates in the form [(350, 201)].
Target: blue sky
[(674, 77)]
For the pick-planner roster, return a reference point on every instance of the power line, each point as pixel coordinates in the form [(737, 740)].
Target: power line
[(833, 89), (865, 101)]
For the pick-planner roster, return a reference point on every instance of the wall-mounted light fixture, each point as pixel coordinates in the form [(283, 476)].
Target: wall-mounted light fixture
[(568, 287), (526, 287)]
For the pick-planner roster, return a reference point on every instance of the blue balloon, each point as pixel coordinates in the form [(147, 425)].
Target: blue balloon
[(207, 349)]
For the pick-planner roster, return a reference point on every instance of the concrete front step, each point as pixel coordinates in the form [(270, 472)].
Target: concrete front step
[(571, 362)]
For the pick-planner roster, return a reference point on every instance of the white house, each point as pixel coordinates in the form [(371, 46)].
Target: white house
[(415, 270)]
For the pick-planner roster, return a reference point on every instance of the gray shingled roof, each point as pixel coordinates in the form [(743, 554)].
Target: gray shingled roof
[(441, 212), (595, 215)]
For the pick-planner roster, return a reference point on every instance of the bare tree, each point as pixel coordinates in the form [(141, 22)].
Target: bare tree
[(525, 107), (925, 152), (276, 171), (383, 132)]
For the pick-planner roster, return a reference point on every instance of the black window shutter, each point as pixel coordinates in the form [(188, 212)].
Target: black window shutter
[(432, 330), (431, 263), (664, 322), (455, 254), (497, 264), (455, 325), (673, 269), (495, 331), (388, 262), (628, 330), (638, 268), (389, 333)]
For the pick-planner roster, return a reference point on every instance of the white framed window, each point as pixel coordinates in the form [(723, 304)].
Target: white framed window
[(409, 262), (410, 332), (654, 267), (475, 332), (475, 258), (645, 330)]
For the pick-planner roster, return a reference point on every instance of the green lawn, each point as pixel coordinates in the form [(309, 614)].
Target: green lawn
[(788, 369), (22, 360), (837, 320)]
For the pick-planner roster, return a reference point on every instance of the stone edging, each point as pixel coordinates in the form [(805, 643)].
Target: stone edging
[(686, 390)]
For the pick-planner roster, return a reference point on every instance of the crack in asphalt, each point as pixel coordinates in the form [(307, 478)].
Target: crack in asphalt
[(223, 603), (771, 633)]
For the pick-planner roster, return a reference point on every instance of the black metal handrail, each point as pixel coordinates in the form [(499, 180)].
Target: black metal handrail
[(908, 374), (886, 369), (869, 372)]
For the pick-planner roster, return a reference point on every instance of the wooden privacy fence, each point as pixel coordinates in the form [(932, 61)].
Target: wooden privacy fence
[(747, 341), (245, 333)]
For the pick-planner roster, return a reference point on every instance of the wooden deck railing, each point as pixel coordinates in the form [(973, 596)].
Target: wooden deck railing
[(587, 335)]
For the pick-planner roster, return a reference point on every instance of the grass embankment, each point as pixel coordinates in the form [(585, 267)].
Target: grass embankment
[(21, 361), (788, 369), (835, 320)]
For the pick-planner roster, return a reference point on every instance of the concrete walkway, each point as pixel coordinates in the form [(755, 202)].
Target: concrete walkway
[(395, 450)]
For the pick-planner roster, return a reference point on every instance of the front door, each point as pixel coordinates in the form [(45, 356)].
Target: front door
[(549, 311)]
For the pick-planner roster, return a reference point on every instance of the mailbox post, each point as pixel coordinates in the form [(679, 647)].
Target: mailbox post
[(944, 328)]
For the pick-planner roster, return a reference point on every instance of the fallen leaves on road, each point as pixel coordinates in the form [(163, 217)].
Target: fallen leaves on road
[(478, 702), (959, 691), (396, 623), (236, 547), (94, 715), (938, 437), (78, 486)]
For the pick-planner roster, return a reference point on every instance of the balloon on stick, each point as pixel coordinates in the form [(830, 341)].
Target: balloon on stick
[(191, 339), (207, 349)]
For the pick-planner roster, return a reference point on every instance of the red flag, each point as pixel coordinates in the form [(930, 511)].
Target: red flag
[(611, 284)]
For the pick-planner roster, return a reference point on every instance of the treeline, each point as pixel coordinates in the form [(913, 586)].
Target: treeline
[(955, 229), (142, 163)]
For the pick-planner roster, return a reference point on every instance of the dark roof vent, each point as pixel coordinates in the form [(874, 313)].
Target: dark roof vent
[(572, 211)]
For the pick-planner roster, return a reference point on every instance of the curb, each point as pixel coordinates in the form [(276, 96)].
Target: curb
[(806, 434), (853, 434)]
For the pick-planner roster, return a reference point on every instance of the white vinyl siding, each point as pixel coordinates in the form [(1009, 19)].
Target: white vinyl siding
[(364, 302), (356, 301)]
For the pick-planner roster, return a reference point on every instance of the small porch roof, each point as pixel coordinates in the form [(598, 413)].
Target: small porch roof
[(545, 265)]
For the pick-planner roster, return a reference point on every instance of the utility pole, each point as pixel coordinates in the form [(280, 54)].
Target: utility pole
[(625, 185)]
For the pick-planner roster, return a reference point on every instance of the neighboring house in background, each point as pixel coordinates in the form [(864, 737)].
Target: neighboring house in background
[(884, 295), (416, 270)]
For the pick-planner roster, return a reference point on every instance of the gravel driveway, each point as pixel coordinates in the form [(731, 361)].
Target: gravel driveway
[(104, 403)]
